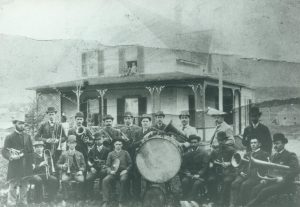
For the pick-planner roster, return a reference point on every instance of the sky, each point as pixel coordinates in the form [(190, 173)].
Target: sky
[(267, 29)]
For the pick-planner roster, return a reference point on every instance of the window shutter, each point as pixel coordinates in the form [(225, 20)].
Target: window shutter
[(120, 110), (100, 62), (140, 59), (84, 66), (122, 63)]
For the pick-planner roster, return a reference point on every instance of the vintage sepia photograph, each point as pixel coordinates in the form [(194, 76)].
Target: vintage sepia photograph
[(149, 103)]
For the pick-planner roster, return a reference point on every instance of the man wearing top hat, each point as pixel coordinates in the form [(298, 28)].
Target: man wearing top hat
[(258, 130), (18, 151), (221, 126), (284, 181), (52, 133), (185, 127), (43, 174), (159, 121), (108, 131)]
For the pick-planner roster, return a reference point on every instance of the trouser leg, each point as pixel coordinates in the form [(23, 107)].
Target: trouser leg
[(38, 188), (51, 187), (136, 183), (196, 186), (235, 189), (246, 187), (12, 192), (23, 191), (186, 186), (123, 187), (107, 186), (226, 187)]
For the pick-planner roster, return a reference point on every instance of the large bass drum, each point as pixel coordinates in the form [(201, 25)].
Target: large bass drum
[(159, 158)]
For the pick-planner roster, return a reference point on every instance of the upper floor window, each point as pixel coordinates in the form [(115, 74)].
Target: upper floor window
[(131, 60), (92, 63)]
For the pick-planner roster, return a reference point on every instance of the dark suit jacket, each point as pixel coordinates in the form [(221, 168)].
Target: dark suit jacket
[(96, 158), (196, 162), (81, 145), (45, 132), (65, 156), (290, 159), (22, 167), (262, 133), (132, 132)]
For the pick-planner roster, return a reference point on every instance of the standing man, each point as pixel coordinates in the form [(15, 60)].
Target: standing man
[(159, 121), (18, 151), (221, 126), (119, 164), (83, 135), (185, 127), (108, 130), (283, 183), (194, 169), (52, 133), (258, 130)]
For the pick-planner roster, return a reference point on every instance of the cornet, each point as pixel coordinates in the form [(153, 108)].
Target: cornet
[(15, 152)]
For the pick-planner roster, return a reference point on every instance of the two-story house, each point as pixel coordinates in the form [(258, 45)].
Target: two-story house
[(144, 80)]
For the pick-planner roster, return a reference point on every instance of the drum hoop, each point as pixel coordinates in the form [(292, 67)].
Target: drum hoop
[(180, 153)]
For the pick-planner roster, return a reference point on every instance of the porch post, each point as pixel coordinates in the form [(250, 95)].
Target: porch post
[(78, 93), (233, 111), (158, 91), (152, 93), (196, 99), (101, 95), (202, 91), (220, 89)]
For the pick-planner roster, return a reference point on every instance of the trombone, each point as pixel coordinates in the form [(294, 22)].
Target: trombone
[(47, 155)]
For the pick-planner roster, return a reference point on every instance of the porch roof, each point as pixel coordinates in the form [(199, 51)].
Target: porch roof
[(139, 78)]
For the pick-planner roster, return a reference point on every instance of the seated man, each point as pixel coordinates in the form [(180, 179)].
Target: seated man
[(118, 165), (43, 174), (247, 174), (96, 161), (194, 169), (282, 184), (222, 173), (72, 164)]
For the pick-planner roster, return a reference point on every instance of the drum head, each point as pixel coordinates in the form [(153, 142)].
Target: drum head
[(158, 160)]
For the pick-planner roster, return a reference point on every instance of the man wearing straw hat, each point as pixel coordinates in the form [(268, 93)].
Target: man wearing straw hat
[(18, 151), (185, 126), (221, 126)]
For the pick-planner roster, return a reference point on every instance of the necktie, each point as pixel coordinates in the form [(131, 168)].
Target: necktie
[(183, 128)]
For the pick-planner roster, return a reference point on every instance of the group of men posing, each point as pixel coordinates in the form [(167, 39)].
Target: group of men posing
[(109, 154)]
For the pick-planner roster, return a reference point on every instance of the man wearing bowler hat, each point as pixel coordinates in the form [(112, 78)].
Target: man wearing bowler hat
[(258, 130), (185, 127), (283, 183), (159, 121), (52, 133), (108, 131), (18, 151)]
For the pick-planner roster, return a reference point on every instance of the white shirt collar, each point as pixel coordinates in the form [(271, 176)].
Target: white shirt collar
[(255, 125)]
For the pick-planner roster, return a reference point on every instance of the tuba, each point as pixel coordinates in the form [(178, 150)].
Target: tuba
[(81, 131), (238, 159), (179, 136), (274, 170)]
